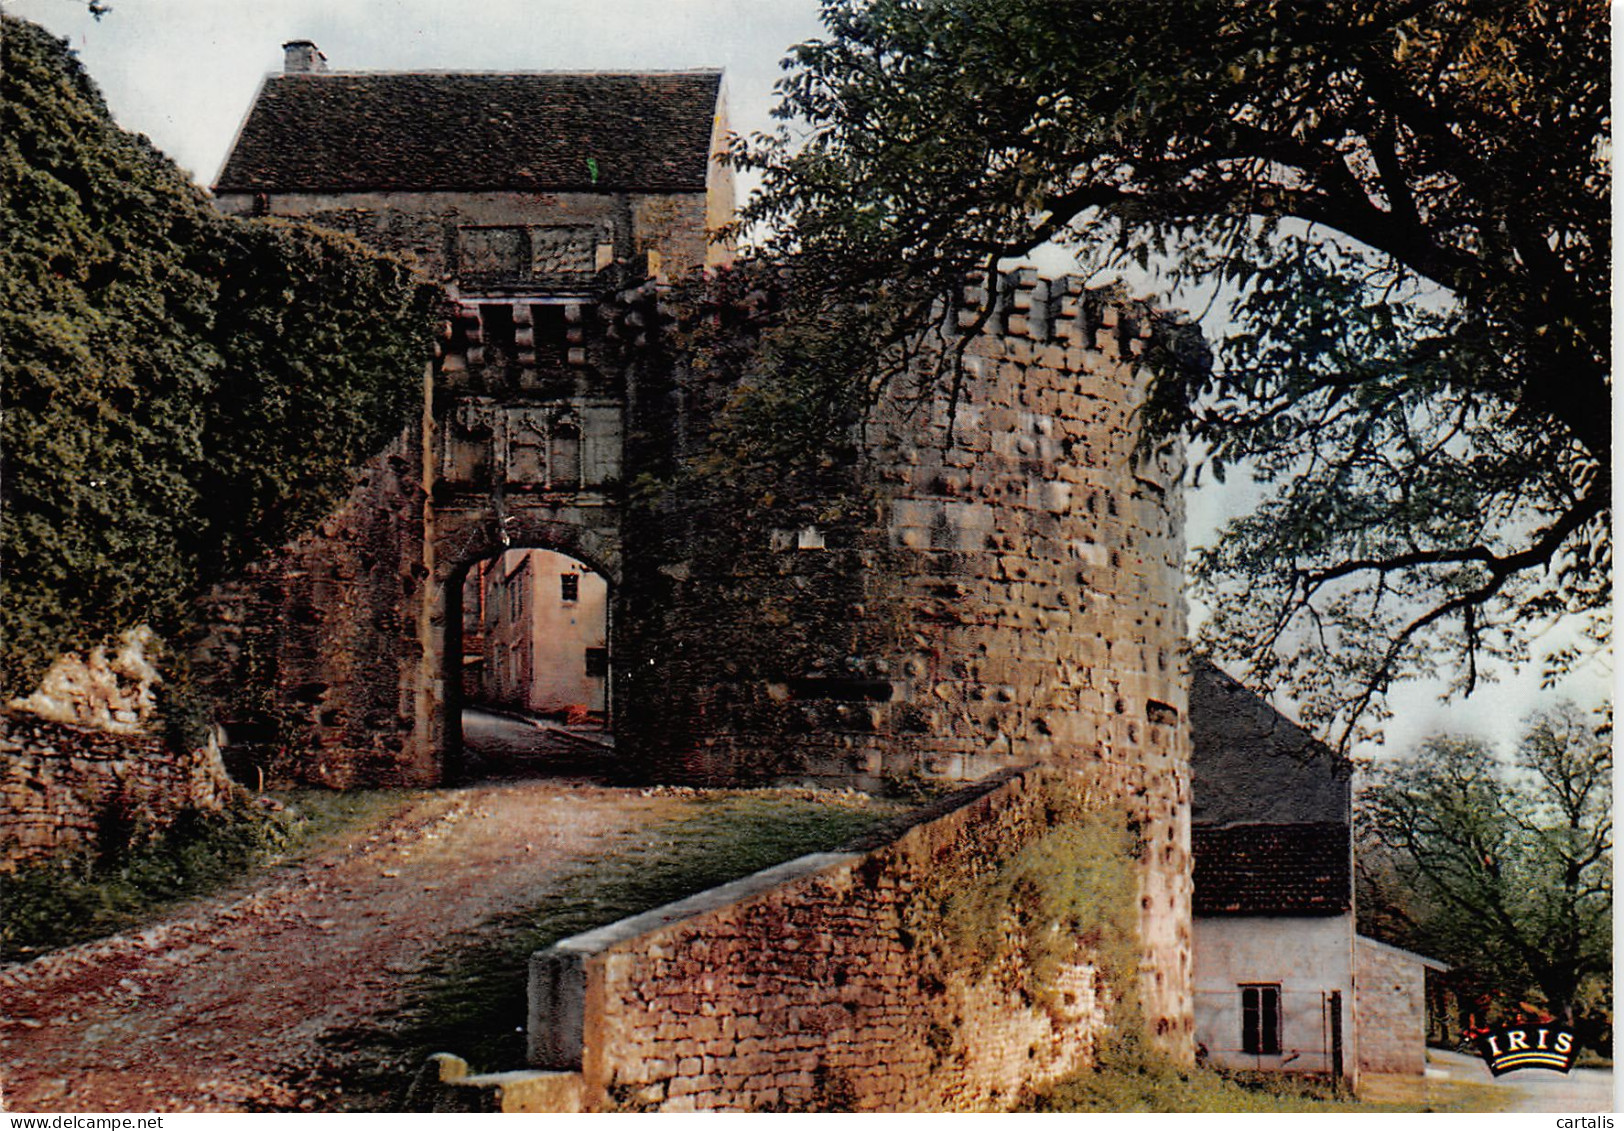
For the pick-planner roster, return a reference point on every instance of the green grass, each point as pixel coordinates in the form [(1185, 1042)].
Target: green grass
[(471, 1001), (1160, 1087), (87, 896), (1419, 1093)]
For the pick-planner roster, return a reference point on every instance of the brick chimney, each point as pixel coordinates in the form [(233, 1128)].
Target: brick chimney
[(302, 57)]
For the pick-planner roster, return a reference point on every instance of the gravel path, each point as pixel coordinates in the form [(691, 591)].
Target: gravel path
[(221, 1008)]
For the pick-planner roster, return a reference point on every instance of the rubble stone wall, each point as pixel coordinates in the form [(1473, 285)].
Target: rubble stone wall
[(1017, 591), (825, 984), (426, 227), (1013, 595), (313, 654), (64, 789)]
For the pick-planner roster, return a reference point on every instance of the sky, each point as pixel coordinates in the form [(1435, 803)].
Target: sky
[(184, 72)]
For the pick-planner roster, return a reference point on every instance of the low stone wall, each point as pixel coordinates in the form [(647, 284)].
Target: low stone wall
[(66, 788), (829, 982)]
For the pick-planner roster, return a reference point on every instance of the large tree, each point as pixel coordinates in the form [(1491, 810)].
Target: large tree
[(1403, 202), (1502, 868)]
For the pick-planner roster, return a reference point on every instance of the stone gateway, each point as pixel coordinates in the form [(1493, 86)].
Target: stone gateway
[(1013, 598)]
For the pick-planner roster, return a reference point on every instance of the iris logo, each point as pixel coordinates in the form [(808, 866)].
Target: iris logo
[(1510, 1047)]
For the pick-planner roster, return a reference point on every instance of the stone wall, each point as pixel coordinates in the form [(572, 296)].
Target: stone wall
[(430, 228), (1013, 595), (313, 655), (1391, 1007), (1003, 587), (66, 789), (829, 983)]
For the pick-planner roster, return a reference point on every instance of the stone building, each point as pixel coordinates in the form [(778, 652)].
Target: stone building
[(1397, 994), (1271, 831), (521, 182), (543, 634), (536, 200), (1009, 593)]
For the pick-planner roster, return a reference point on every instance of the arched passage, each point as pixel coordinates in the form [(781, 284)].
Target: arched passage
[(527, 681)]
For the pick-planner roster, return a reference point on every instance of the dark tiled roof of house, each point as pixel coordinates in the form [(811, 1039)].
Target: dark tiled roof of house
[(1272, 869), (545, 132)]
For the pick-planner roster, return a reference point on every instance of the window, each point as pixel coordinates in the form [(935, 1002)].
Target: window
[(597, 662), (1260, 1020), (569, 586)]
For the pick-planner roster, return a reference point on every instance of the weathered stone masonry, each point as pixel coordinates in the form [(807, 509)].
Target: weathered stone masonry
[(523, 439), (1015, 598), (81, 770), (1033, 565), (314, 653), (823, 984), (1012, 596), (67, 789)]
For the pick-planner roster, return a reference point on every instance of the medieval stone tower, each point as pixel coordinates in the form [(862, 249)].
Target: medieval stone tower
[(1007, 593), (1012, 596)]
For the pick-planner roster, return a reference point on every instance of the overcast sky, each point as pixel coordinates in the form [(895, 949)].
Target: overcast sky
[(183, 72)]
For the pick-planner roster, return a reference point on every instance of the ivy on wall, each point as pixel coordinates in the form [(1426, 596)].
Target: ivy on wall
[(754, 437), (183, 390)]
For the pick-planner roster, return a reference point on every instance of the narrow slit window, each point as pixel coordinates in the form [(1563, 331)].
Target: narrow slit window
[(569, 586)]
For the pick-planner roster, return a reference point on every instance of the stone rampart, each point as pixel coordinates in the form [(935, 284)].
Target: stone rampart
[(314, 654), (66, 789), (1013, 595), (831, 983), (1003, 587)]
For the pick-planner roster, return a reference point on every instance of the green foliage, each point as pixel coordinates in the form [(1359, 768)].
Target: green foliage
[(1070, 893), (775, 381), (182, 390), (773, 387), (1013, 916), (1166, 1087), (71, 900), (1405, 209), (1503, 869), (466, 1001)]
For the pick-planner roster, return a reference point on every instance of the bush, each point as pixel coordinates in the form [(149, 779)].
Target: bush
[(182, 389)]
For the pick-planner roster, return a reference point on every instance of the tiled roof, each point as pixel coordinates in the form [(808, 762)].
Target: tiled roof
[(1272, 869), (552, 132)]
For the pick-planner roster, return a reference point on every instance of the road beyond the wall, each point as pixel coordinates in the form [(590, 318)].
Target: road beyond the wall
[(1582, 1091), (223, 1007)]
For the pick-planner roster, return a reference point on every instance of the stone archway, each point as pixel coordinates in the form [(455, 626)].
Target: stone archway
[(463, 537)]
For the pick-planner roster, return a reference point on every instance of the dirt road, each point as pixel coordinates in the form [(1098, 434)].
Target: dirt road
[(222, 1008)]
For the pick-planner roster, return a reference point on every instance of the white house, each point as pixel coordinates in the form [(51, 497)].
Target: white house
[(1283, 981)]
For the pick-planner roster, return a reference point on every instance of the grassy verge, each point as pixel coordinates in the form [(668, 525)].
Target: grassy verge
[(1417, 1093), (88, 896), (1166, 1088), (471, 1001)]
